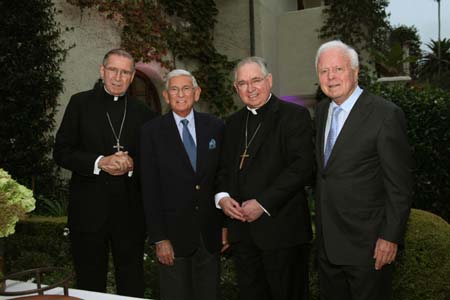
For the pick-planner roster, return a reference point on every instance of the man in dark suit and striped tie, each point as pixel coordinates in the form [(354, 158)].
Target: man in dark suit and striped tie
[(364, 181), (180, 154)]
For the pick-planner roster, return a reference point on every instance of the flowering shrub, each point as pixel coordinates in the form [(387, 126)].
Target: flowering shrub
[(15, 201)]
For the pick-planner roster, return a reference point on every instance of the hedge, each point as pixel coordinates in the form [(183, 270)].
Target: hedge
[(427, 111), (422, 271)]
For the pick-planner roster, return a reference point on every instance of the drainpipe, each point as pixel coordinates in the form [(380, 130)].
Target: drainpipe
[(252, 27)]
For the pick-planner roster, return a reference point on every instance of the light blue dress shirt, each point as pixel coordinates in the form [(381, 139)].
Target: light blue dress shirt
[(191, 125), (346, 107)]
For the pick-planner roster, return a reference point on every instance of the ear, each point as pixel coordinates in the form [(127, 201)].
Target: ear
[(102, 72), (197, 93), (269, 79), (236, 87), (166, 96)]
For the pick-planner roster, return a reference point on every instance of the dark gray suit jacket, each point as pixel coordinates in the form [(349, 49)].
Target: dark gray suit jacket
[(364, 192)]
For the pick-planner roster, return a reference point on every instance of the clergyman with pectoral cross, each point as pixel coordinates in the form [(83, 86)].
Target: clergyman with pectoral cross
[(266, 162), (97, 141)]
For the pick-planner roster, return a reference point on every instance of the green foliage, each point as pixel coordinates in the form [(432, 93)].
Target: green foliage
[(15, 201), (362, 24), (423, 271), (427, 112), (31, 82), (407, 37), (175, 30), (434, 71), (39, 242)]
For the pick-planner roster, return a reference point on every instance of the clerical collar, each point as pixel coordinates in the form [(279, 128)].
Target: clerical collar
[(115, 98), (254, 111)]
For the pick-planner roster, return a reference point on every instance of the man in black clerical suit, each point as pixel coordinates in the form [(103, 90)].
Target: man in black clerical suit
[(98, 141), (180, 155), (364, 181), (267, 160)]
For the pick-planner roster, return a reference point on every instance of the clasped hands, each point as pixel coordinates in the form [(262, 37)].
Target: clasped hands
[(116, 164), (249, 211)]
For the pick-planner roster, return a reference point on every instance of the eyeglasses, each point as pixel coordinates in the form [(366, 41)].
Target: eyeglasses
[(187, 90), (116, 71), (257, 82)]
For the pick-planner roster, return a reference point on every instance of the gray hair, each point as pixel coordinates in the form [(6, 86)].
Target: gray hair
[(337, 44), (252, 60), (118, 52), (180, 72)]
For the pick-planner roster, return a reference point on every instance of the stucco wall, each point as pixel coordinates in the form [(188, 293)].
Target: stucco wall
[(298, 42), (93, 35), (232, 31)]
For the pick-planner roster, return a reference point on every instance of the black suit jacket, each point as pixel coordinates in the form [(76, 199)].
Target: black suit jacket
[(179, 202), (85, 134), (279, 167), (364, 191)]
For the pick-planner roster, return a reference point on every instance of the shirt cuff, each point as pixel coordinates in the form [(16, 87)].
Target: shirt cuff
[(130, 173), (96, 168), (220, 196), (265, 210)]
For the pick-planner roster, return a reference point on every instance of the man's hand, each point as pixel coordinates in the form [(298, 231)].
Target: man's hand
[(116, 164), (231, 208), (225, 244), (385, 253), (164, 252), (252, 210)]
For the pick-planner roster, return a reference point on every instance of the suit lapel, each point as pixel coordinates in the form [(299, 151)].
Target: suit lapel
[(322, 121), (173, 138), (358, 114), (201, 131)]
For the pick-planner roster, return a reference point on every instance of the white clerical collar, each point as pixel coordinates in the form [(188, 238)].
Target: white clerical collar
[(254, 111), (115, 97)]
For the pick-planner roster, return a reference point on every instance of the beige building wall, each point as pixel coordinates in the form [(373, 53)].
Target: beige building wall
[(284, 36), (298, 42), (93, 35)]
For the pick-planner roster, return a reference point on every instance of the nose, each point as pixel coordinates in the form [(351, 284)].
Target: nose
[(250, 86), (331, 74), (118, 75), (180, 93)]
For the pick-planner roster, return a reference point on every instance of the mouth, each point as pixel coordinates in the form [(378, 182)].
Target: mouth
[(333, 86)]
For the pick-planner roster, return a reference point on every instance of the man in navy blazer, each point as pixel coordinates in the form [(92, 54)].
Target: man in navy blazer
[(364, 181), (180, 153)]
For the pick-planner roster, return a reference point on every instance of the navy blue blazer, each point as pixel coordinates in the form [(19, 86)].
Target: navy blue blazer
[(178, 201)]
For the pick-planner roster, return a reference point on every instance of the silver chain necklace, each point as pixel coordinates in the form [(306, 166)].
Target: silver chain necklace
[(118, 147)]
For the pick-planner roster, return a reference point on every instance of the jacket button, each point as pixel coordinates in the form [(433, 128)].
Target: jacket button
[(197, 187), (196, 207)]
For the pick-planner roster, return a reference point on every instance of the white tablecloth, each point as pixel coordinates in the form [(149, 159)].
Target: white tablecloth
[(12, 286)]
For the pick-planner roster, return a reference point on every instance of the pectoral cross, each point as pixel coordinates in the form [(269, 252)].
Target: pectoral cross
[(118, 147), (243, 157)]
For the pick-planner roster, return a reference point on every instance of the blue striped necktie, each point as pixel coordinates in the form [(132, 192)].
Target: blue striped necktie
[(332, 134), (189, 144)]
